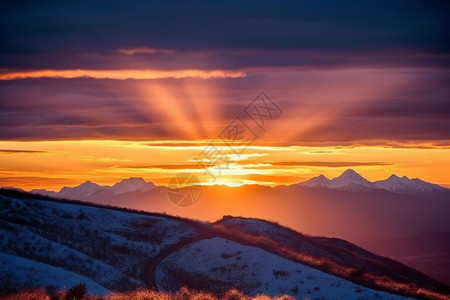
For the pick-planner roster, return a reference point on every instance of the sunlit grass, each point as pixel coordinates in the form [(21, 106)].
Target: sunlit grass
[(142, 294)]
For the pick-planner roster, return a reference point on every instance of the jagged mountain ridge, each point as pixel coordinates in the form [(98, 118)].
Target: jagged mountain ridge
[(351, 180), (348, 180), (91, 190)]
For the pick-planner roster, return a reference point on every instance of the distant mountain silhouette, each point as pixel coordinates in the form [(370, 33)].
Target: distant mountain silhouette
[(348, 180), (351, 180), (89, 190)]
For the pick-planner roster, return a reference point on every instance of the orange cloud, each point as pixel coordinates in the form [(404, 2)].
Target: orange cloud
[(72, 162), (120, 74)]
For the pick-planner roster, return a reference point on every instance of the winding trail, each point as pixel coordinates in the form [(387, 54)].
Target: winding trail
[(150, 267)]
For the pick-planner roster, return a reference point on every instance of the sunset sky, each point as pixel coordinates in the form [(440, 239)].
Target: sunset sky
[(107, 90)]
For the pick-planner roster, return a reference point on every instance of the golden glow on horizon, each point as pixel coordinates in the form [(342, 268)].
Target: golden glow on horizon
[(120, 74), (53, 164)]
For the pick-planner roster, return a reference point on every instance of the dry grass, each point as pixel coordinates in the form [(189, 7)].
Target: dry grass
[(35, 294), (142, 294)]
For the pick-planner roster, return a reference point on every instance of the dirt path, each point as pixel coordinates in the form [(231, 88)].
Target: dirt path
[(150, 267)]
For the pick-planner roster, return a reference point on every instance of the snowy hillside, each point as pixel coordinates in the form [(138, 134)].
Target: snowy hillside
[(24, 273), (225, 263), (112, 249), (107, 246), (332, 255)]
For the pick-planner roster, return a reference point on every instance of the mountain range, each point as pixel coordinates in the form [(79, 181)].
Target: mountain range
[(348, 180), (89, 190), (351, 180)]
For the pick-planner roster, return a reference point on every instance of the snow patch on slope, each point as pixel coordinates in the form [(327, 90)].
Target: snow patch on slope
[(29, 273), (253, 270), (107, 246)]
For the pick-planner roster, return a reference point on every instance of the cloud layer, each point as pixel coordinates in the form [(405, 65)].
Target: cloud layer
[(343, 72), (204, 34), (118, 74)]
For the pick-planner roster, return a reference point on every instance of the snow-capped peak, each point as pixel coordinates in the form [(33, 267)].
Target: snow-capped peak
[(319, 181), (81, 191), (86, 186), (90, 190), (89, 184), (128, 185), (348, 175), (406, 185), (351, 180)]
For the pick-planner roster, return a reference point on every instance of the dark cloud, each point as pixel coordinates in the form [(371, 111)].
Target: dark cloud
[(7, 151), (318, 34), (363, 130), (53, 132), (167, 167), (268, 40), (73, 109)]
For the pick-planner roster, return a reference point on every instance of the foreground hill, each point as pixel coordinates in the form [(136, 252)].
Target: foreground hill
[(113, 249)]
